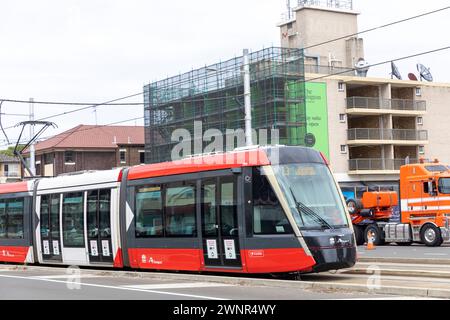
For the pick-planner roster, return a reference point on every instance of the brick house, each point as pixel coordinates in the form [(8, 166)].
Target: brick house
[(88, 147), (10, 169)]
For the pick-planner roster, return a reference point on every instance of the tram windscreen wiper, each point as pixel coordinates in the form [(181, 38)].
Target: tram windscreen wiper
[(302, 208)]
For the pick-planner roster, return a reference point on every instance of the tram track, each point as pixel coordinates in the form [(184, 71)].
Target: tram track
[(398, 279)]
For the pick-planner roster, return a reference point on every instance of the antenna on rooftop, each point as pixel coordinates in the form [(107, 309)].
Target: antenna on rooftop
[(395, 72), (424, 72)]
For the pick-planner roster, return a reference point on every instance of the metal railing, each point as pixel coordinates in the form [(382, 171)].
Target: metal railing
[(386, 104), (338, 4), (387, 134), (378, 164)]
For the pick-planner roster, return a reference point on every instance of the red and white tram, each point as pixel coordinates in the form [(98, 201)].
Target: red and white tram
[(265, 210)]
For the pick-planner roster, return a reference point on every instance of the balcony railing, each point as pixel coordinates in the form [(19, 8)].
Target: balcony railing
[(387, 134), (386, 104), (378, 164)]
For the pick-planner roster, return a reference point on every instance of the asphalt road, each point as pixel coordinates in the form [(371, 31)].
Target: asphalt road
[(415, 251), (58, 284)]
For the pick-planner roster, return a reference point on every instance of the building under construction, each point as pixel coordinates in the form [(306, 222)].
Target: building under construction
[(214, 95)]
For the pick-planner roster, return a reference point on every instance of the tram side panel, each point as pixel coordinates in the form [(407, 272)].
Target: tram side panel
[(16, 223), (152, 204), (78, 220), (225, 207)]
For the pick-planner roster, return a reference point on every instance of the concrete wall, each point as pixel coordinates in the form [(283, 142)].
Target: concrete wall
[(314, 25), (337, 130), (437, 121)]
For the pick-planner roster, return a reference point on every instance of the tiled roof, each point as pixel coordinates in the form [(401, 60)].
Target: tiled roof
[(7, 159), (98, 137)]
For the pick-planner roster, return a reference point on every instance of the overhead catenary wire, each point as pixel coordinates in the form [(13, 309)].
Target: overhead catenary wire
[(306, 80), (379, 63), (111, 103), (378, 27)]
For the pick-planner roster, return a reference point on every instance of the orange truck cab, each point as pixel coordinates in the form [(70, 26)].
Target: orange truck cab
[(424, 205), (424, 208)]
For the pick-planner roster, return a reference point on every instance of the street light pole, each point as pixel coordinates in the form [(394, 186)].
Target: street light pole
[(32, 148), (247, 100)]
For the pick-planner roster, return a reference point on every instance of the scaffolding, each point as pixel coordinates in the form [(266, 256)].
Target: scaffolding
[(214, 95)]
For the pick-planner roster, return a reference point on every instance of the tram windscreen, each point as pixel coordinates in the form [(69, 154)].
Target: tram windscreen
[(312, 195)]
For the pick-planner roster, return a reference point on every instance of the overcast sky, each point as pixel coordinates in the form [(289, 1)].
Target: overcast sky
[(98, 50)]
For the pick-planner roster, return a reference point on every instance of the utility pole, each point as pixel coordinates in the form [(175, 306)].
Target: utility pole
[(32, 148), (288, 5), (247, 100)]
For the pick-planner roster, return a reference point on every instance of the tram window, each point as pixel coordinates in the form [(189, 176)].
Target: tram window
[(73, 220), (3, 219), (149, 222), (99, 199), (104, 208), (11, 218), (44, 221), (180, 212), (228, 212), (268, 215), (14, 210), (209, 217)]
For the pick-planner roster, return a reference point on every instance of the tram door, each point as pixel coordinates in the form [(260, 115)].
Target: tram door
[(220, 229), (50, 228), (99, 226)]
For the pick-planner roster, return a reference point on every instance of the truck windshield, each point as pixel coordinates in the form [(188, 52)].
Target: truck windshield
[(444, 186), (312, 195)]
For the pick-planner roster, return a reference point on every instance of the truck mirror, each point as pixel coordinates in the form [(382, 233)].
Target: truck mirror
[(432, 188)]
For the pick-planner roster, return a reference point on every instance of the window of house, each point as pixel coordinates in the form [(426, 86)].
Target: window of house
[(69, 157), (418, 92), (341, 86), (123, 156), (421, 150), (420, 121), (343, 118), (48, 158), (343, 149), (142, 157)]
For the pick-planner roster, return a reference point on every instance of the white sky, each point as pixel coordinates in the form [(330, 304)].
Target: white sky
[(98, 50)]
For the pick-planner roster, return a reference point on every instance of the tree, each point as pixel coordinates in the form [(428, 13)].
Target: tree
[(10, 151)]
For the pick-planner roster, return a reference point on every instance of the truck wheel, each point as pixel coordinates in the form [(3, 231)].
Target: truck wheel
[(430, 235), (359, 235), (374, 232)]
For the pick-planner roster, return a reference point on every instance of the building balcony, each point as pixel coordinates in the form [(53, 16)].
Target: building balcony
[(387, 136), (377, 166), (370, 106)]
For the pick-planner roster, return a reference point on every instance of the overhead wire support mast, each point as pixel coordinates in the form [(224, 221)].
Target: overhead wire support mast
[(19, 153)]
